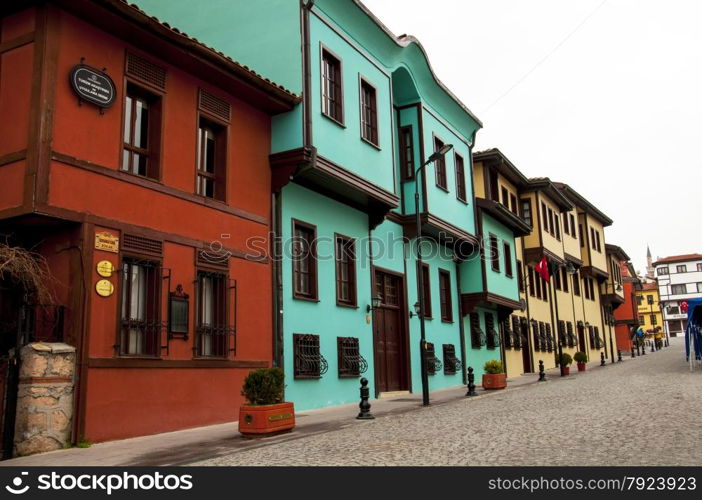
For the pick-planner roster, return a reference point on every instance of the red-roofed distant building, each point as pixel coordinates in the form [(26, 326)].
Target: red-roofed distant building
[(679, 279)]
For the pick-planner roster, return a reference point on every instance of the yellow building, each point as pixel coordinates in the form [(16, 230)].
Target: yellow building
[(592, 313), (546, 208), (650, 315)]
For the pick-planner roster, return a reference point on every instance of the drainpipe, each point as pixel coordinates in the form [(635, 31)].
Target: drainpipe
[(460, 324), (307, 72), (276, 256)]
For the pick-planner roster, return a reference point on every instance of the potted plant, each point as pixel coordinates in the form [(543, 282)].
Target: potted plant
[(566, 361), (580, 358), (494, 376), (265, 412)]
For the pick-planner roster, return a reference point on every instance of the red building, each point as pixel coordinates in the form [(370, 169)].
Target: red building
[(626, 315), (126, 144)]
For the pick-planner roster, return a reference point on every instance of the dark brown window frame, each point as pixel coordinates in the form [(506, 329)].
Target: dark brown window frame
[(507, 251), (445, 297), (427, 289), (221, 310), (494, 252), (152, 152), (153, 283), (520, 276), (372, 108), (544, 217), (351, 271), (313, 295), (309, 364), (336, 104), (440, 165), (513, 204), (407, 153), (220, 131), (527, 214), (459, 164)]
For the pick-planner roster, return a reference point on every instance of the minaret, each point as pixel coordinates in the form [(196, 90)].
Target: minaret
[(649, 263)]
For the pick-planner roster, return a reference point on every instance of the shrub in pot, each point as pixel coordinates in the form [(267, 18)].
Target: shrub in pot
[(494, 376), (580, 358), (566, 361), (265, 412)]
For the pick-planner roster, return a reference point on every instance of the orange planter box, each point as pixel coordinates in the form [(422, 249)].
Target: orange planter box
[(494, 381), (259, 421)]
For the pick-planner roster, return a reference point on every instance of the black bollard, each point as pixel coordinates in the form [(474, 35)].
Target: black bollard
[(633, 355), (602, 359), (471, 382), (643, 348), (619, 355), (364, 405), (542, 373)]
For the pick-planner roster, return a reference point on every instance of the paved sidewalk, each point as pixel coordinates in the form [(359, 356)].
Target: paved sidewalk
[(186, 446)]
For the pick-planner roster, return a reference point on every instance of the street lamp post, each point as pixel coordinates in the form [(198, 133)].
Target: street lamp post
[(420, 273)]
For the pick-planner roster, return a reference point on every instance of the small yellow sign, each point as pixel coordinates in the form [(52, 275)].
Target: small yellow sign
[(107, 242), (105, 268), (104, 288)]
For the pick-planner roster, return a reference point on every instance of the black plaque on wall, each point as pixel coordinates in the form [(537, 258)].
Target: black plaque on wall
[(92, 85)]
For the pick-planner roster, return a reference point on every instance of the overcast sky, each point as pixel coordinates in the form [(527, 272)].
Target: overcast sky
[(605, 96)]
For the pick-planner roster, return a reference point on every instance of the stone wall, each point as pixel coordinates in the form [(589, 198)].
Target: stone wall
[(45, 398)]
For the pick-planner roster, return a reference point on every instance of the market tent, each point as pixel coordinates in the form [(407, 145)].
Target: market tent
[(693, 335)]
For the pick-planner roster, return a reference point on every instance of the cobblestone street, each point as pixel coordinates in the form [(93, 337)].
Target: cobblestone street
[(643, 411)]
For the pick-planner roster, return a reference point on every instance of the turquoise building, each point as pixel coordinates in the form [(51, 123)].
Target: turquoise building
[(490, 300), (343, 185)]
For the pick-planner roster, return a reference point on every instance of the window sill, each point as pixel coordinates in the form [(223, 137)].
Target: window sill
[(307, 377), (339, 123), (444, 189), (465, 202), (306, 299), (371, 143), (347, 306), (447, 321), (145, 177), (349, 376)]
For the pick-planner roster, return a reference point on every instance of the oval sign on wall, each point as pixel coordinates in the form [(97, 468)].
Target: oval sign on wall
[(93, 85)]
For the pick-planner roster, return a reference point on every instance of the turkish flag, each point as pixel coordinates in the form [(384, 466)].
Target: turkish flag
[(542, 269)]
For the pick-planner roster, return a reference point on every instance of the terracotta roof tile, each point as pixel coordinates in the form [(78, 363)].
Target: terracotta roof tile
[(680, 258)]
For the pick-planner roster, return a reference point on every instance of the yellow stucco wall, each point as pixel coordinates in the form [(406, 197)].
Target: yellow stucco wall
[(479, 179)]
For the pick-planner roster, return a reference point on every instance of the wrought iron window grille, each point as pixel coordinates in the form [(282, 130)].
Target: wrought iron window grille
[(351, 363), (536, 334), (452, 364), (215, 330), (493, 338), (507, 339), (433, 363), (477, 336), (141, 332), (516, 333), (308, 360)]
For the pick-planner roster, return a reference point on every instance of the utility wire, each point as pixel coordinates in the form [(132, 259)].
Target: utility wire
[(543, 59)]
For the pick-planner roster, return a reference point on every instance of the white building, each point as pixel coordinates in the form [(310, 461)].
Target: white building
[(679, 279)]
